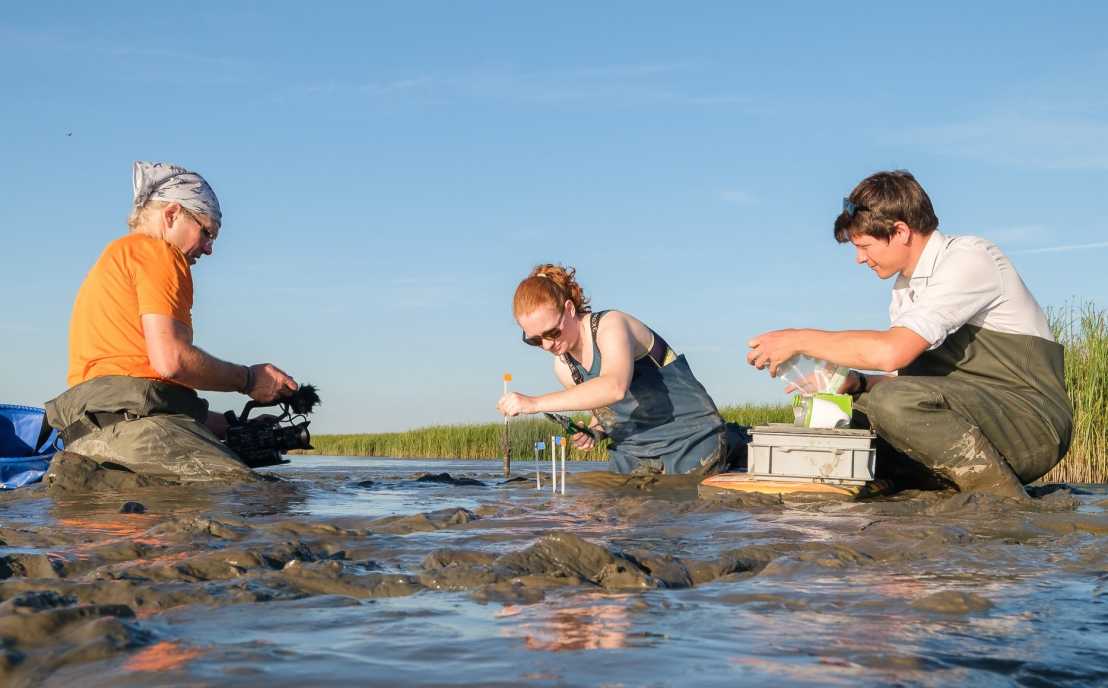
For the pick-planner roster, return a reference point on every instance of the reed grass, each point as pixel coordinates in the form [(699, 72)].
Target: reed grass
[(1083, 330), (483, 441)]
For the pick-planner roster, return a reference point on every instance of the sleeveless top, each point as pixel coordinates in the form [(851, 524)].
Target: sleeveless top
[(666, 416)]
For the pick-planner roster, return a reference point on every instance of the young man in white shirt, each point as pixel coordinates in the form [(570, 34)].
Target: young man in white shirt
[(975, 391)]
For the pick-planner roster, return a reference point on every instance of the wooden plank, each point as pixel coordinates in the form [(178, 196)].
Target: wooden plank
[(741, 482)]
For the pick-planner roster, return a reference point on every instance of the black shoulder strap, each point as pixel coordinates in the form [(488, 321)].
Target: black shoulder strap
[(594, 324), (659, 350), (573, 365), (574, 368)]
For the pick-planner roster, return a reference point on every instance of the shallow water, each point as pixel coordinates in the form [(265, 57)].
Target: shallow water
[(325, 580)]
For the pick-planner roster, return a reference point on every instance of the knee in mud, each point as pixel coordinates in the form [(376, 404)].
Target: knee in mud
[(892, 406), (881, 406)]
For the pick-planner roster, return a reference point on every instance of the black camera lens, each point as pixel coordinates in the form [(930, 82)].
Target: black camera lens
[(294, 437)]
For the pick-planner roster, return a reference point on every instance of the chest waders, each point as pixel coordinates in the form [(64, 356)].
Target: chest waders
[(984, 410), (666, 423), (144, 426)]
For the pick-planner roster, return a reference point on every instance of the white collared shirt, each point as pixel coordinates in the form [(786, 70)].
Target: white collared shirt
[(963, 280)]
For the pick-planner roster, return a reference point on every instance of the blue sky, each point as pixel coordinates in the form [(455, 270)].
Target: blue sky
[(389, 171)]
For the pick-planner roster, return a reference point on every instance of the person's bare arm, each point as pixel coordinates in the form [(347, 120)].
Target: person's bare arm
[(174, 357), (617, 351), (886, 350)]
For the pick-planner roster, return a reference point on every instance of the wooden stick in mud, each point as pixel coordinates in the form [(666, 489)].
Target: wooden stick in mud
[(505, 443)]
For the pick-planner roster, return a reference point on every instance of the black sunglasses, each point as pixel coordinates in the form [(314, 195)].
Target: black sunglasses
[(203, 230), (551, 334)]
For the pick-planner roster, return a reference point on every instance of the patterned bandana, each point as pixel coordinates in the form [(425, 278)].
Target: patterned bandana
[(159, 181)]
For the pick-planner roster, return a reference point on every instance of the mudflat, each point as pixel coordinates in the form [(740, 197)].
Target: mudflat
[(345, 571)]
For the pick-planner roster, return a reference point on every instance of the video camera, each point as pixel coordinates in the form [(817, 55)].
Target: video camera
[(261, 441)]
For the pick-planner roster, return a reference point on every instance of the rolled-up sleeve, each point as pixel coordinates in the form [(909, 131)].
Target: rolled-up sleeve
[(963, 284)]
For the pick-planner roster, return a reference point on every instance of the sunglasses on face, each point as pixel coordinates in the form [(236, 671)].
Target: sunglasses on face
[(551, 334), (207, 233)]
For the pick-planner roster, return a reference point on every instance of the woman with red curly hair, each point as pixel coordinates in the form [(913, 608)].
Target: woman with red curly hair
[(642, 395)]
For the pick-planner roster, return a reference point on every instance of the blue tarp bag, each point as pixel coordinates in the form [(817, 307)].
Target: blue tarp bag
[(26, 445)]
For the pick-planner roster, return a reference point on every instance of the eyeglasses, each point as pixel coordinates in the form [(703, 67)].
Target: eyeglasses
[(203, 230), (849, 207), (551, 334)]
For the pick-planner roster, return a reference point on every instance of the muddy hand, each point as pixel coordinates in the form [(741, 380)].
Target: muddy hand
[(583, 441), (515, 404), (270, 382)]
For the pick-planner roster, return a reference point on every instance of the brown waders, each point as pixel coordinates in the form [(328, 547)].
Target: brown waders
[(145, 426), (985, 410)]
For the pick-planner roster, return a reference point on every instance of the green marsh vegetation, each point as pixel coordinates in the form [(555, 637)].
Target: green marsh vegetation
[(483, 441), (1082, 329)]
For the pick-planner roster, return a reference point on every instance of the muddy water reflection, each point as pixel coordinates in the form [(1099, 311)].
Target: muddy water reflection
[(365, 572), (602, 624)]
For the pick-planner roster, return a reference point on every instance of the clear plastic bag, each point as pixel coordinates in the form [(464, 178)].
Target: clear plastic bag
[(808, 375), (816, 383)]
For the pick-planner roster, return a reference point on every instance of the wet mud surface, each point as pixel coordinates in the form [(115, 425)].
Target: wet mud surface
[(376, 572)]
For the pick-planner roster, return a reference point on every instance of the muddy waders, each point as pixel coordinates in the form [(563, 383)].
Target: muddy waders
[(145, 426), (985, 410)]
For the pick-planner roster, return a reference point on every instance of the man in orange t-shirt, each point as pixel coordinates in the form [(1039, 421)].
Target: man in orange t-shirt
[(133, 368)]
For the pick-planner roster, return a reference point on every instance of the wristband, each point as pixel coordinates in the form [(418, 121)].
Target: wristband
[(863, 384), (249, 384)]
